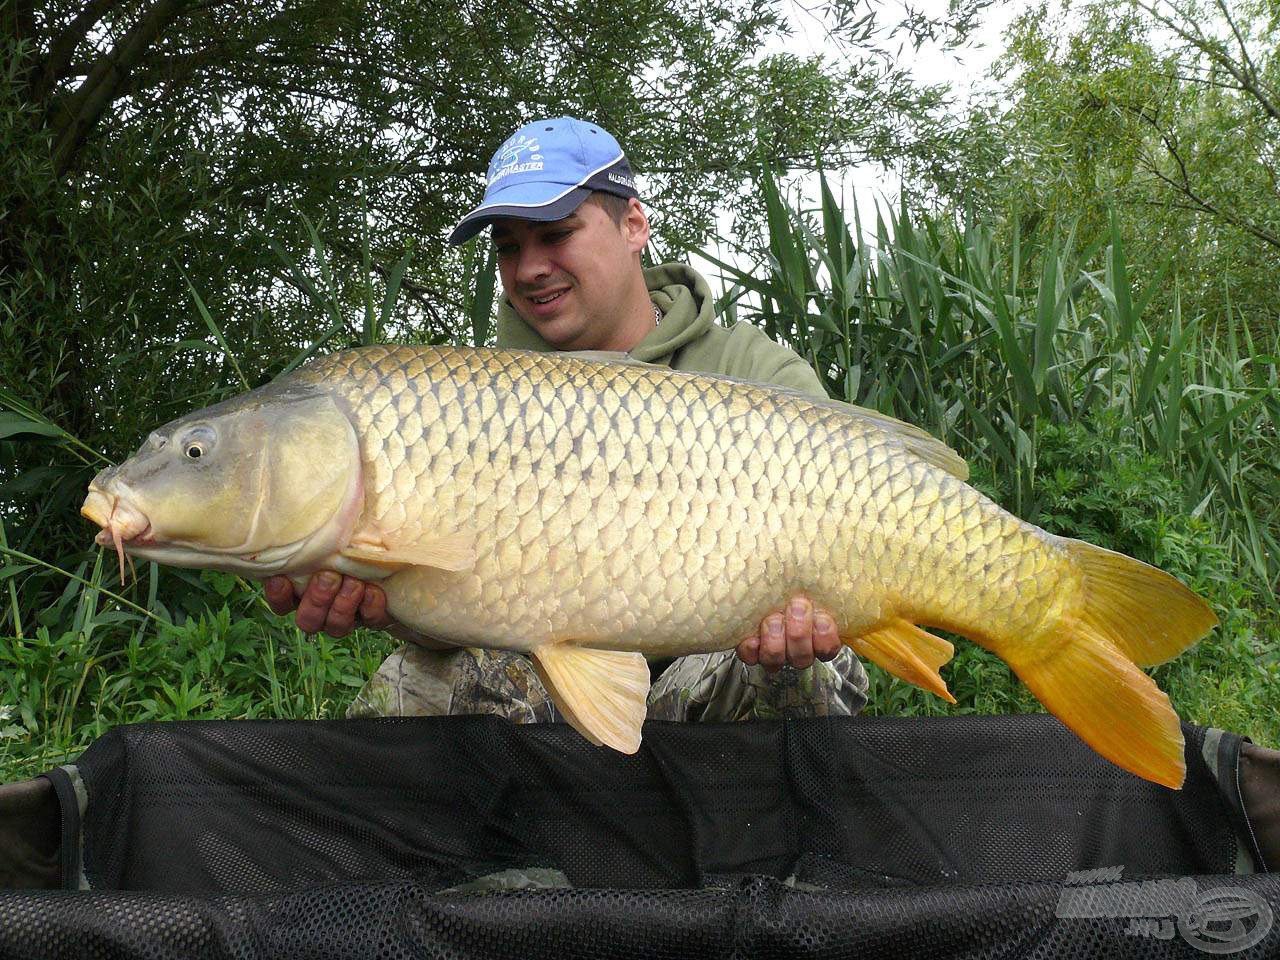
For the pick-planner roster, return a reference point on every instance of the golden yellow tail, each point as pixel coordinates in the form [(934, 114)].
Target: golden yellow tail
[(1082, 667), (1150, 616)]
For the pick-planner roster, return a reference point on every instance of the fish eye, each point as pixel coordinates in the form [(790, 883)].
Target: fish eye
[(197, 443)]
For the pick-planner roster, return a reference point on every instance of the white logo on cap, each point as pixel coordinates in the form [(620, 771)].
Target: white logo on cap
[(518, 155)]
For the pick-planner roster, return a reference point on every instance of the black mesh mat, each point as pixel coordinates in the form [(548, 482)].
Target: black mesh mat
[(840, 837)]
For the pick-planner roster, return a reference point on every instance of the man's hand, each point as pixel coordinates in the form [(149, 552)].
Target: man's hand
[(796, 635), (330, 603)]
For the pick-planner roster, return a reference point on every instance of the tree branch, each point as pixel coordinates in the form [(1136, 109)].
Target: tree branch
[(1206, 206), (169, 69), (98, 90), (1183, 187), (1235, 30), (64, 46), (1246, 77)]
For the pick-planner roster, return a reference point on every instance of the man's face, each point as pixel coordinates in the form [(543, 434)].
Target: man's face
[(569, 278)]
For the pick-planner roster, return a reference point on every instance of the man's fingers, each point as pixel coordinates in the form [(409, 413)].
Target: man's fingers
[(313, 608), (749, 651), (800, 632), (341, 618), (373, 608), (280, 595), (333, 602), (773, 642), (826, 641)]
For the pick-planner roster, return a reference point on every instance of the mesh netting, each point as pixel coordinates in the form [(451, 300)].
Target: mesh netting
[(825, 837), (757, 918)]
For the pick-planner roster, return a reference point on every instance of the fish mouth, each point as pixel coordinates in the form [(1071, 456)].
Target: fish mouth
[(122, 523)]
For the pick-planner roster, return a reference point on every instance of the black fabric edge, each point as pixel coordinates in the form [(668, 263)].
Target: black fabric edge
[(1229, 785), (69, 810), (752, 917), (104, 770)]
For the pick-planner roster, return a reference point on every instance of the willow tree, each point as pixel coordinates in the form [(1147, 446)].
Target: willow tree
[(153, 152), (1166, 112)]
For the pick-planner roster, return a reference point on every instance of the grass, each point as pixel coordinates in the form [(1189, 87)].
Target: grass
[(93, 668)]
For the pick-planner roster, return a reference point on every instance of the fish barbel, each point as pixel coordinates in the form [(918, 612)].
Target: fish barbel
[(590, 511)]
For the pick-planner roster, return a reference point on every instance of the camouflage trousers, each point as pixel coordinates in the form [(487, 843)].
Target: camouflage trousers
[(416, 682)]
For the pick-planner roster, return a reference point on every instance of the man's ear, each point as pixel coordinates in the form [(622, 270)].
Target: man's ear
[(635, 226)]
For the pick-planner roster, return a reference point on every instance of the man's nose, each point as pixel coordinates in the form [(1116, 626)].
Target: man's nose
[(534, 264)]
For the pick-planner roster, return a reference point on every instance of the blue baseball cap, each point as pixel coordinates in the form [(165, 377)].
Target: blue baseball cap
[(545, 170)]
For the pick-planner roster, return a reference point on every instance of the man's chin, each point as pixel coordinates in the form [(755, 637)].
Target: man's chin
[(558, 330)]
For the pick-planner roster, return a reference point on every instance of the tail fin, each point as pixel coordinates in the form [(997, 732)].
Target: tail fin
[(1082, 666), (1108, 703), (1150, 616), (908, 652)]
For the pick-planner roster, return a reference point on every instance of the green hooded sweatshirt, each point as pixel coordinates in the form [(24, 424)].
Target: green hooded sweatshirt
[(688, 338)]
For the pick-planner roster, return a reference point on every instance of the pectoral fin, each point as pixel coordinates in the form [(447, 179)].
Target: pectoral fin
[(908, 652), (602, 693), (454, 552)]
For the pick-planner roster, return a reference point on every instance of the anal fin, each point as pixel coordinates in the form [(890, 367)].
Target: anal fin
[(602, 693), (908, 652)]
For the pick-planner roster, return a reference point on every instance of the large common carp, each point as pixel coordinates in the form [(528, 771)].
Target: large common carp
[(590, 511)]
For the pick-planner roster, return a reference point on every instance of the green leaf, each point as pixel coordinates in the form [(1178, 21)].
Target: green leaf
[(1049, 309), (393, 289), (15, 424), (482, 302), (1003, 453), (213, 328)]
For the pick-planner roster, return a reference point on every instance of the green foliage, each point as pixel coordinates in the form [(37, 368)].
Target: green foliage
[(1167, 111), (89, 669)]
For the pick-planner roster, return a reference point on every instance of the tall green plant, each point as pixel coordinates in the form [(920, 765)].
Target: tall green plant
[(984, 342)]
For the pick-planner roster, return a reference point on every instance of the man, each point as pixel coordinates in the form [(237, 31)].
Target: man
[(569, 230)]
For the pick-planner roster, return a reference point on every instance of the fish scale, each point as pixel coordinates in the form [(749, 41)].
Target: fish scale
[(592, 510), (651, 453)]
